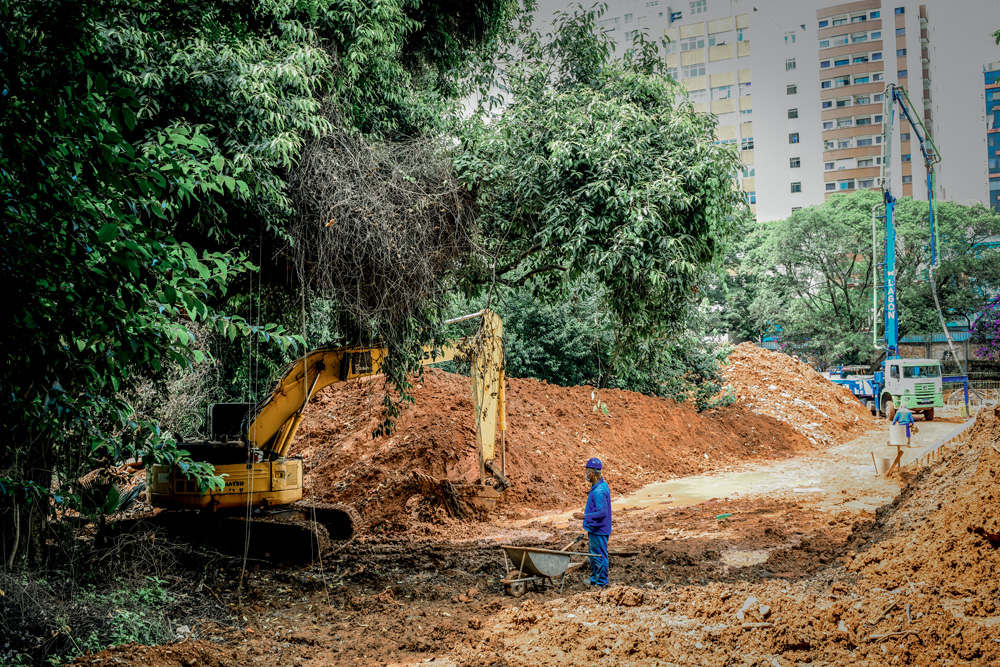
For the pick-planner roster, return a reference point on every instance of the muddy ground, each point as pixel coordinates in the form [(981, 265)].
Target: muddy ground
[(780, 581)]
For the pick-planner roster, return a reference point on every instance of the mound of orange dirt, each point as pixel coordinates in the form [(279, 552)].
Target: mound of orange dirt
[(943, 532), (552, 431), (775, 384)]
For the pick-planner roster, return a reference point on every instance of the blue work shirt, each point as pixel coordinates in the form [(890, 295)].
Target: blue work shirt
[(597, 513), (903, 418)]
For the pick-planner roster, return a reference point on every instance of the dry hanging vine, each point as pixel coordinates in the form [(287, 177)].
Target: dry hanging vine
[(378, 227)]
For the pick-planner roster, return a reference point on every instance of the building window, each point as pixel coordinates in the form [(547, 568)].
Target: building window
[(866, 141), (878, 118), (791, 89), (746, 144), (904, 136), (722, 93), (748, 172), (847, 185), (867, 183), (674, 16), (844, 143), (689, 71), (900, 10), (826, 84), (901, 74), (874, 15), (744, 89), (900, 32), (789, 64), (900, 53), (823, 64), (877, 76), (796, 187), (862, 99), (794, 162), (746, 112), (824, 24), (793, 138), (698, 6), (828, 166), (859, 37), (837, 22), (692, 43), (790, 37), (843, 102), (877, 56), (628, 18), (859, 19), (866, 163), (841, 62), (907, 179), (844, 122), (752, 196), (878, 97), (828, 125), (824, 44), (672, 72), (864, 121), (905, 157), (860, 59), (793, 113), (827, 104), (859, 79), (831, 186), (740, 33)]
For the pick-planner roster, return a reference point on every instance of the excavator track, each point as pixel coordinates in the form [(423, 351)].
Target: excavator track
[(295, 533)]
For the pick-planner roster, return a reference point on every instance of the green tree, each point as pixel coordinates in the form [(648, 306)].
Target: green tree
[(816, 267), (600, 168), (146, 151)]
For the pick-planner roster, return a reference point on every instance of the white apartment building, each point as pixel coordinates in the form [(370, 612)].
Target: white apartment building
[(799, 85)]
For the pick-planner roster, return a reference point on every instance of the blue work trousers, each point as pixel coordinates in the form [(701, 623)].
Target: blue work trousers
[(599, 564)]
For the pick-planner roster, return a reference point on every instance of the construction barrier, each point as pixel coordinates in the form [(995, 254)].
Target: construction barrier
[(936, 450)]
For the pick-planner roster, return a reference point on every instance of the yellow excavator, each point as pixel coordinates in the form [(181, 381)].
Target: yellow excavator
[(249, 446)]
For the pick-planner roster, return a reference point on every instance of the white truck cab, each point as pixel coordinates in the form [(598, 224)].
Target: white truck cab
[(915, 383)]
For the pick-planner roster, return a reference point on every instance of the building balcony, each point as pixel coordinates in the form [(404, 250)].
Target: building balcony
[(857, 110), (848, 28), (856, 173), (850, 49)]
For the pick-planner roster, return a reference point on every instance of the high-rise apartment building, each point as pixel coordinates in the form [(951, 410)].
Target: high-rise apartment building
[(991, 74), (799, 85)]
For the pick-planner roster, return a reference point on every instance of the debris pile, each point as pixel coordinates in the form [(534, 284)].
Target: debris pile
[(552, 431), (775, 384)]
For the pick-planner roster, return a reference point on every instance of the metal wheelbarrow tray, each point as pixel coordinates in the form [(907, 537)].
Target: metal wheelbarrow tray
[(536, 566)]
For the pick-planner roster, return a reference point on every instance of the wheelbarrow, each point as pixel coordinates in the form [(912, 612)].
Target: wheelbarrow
[(535, 566)]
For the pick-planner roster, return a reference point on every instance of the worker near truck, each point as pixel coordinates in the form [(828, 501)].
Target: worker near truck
[(904, 416), (597, 521)]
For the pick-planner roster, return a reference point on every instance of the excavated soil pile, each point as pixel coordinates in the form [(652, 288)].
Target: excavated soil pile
[(943, 531), (776, 385), (552, 431)]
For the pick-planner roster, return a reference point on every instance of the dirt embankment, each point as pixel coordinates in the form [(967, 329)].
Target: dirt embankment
[(923, 588), (943, 532), (552, 431), (776, 385)]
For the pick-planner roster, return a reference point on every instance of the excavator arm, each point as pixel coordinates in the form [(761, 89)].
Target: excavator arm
[(272, 424)]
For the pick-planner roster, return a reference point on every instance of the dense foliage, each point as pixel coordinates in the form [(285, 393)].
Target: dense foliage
[(145, 156), (599, 168), (811, 274)]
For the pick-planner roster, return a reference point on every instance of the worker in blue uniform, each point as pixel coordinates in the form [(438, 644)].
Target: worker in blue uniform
[(597, 521), (904, 416)]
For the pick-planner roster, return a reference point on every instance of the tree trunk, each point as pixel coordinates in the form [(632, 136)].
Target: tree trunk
[(23, 516)]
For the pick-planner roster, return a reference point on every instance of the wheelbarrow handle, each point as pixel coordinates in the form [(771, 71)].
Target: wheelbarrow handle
[(575, 540)]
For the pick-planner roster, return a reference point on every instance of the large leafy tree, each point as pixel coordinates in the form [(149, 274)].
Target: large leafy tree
[(598, 167), (817, 273), (146, 151)]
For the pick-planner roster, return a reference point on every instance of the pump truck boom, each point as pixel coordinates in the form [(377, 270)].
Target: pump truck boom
[(915, 383), (249, 445)]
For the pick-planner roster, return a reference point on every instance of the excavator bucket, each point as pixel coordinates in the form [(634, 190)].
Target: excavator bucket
[(463, 500)]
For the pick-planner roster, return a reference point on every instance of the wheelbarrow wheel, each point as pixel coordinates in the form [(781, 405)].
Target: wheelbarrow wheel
[(515, 588)]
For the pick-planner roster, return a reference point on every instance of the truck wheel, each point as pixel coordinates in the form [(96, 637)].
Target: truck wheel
[(929, 415), (888, 409)]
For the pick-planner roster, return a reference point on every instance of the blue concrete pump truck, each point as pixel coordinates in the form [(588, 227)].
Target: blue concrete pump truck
[(915, 383)]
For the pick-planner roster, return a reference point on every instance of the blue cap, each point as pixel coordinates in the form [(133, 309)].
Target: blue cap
[(595, 463)]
